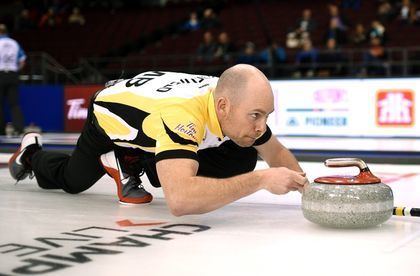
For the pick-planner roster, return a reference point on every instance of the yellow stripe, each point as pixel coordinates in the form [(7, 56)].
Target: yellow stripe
[(399, 211)]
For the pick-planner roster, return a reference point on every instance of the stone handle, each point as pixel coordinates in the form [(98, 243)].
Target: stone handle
[(346, 162)]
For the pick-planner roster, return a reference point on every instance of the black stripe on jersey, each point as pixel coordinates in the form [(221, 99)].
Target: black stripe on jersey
[(171, 154), (176, 138), (133, 117), (264, 138)]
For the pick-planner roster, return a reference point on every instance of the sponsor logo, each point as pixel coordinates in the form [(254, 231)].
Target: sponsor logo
[(330, 95), (187, 129), (292, 122), (76, 109), (326, 121), (395, 107)]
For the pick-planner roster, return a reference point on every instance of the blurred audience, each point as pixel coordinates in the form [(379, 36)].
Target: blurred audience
[(331, 60), (193, 23), (273, 55), (377, 30), (374, 59), (385, 11), (305, 24), (404, 11), (301, 31), (207, 48), (25, 21), (306, 60), (248, 54), (359, 36), (50, 19), (335, 32), (224, 47), (334, 14), (76, 17), (210, 19)]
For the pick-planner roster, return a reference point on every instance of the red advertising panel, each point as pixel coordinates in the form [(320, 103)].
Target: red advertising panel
[(76, 103), (395, 107)]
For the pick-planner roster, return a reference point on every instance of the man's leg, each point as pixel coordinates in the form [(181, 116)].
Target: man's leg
[(75, 173)]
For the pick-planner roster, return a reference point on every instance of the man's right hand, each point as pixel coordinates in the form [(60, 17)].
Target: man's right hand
[(283, 180)]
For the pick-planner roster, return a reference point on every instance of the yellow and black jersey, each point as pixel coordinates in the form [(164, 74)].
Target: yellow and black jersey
[(170, 114)]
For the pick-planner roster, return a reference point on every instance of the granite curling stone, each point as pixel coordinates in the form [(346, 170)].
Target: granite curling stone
[(347, 201)]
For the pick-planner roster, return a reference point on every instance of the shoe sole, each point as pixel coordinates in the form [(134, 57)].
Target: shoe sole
[(12, 159), (109, 164)]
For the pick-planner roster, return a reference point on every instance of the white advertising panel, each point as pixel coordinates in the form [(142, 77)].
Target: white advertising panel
[(357, 107)]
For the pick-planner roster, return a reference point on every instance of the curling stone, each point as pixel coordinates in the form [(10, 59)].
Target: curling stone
[(348, 201)]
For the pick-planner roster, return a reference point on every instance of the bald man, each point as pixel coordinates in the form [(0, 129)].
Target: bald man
[(198, 137)]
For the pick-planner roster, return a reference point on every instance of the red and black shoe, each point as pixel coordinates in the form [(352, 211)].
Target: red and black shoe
[(20, 162), (130, 189)]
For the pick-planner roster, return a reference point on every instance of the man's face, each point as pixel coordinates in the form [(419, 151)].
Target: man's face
[(246, 120)]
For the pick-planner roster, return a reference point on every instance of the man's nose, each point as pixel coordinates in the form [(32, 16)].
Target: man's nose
[(260, 127)]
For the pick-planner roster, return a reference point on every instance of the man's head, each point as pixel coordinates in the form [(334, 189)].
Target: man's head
[(3, 29), (243, 100)]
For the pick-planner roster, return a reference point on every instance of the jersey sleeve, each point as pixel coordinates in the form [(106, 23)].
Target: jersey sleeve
[(179, 137), (263, 138)]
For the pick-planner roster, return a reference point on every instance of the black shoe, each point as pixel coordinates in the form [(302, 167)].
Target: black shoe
[(20, 162)]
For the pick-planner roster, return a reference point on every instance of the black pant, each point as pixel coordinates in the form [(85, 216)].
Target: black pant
[(78, 172), (9, 82)]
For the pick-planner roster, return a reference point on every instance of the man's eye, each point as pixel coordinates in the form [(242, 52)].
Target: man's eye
[(254, 115)]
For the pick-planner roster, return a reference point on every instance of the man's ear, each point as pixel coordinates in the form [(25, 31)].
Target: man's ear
[(222, 106)]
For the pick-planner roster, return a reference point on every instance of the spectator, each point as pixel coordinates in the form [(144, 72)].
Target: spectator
[(331, 60), (374, 59), (385, 12), (415, 16), (24, 21), (210, 19), (405, 11), (50, 19), (305, 24), (340, 21), (306, 60), (224, 47), (76, 17), (207, 48), (377, 30), (248, 55), (12, 59), (295, 40), (192, 24), (359, 37), (273, 55), (335, 32)]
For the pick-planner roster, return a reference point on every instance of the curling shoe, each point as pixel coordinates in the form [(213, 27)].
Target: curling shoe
[(20, 163), (130, 189)]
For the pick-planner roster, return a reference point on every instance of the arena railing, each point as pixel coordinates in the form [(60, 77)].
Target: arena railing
[(398, 62)]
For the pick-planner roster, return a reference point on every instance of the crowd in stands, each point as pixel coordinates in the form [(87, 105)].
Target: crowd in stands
[(327, 59), (321, 57)]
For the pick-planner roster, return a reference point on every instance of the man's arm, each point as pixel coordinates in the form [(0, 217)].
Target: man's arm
[(187, 193), (277, 155)]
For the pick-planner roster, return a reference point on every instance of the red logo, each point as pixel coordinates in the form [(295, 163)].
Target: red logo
[(395, 107)]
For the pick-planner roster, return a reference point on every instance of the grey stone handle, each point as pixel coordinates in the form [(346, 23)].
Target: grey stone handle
[(346, 162)]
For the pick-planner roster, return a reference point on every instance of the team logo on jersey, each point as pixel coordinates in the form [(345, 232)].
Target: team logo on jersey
[(395, 107), (187, 129), (177, 138)]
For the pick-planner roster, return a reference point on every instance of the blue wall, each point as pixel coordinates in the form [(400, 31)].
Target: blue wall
[(42, 105)]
